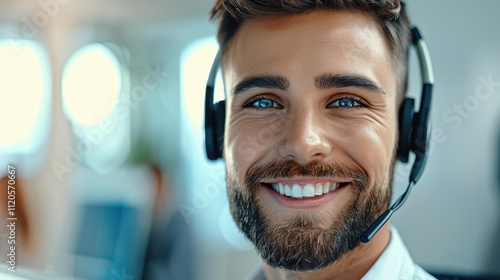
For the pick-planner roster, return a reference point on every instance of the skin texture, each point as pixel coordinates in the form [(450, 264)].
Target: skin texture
[(307, 124)]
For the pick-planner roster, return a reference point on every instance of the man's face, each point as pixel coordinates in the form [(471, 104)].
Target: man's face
[(310, 134)]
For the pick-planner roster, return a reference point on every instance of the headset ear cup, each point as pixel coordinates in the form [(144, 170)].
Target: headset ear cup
[(406, 113), (210, 143), (220, 118)]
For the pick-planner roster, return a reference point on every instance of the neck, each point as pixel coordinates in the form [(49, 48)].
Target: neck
[(353, 265)]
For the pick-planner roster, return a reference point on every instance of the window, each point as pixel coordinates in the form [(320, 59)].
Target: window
[(91, 84), (24, 101), (95, 97)]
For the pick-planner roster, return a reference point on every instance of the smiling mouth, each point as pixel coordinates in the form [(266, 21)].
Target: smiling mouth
[(301, 191)]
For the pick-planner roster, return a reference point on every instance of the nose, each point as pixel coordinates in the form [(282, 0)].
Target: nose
[(305, 137)]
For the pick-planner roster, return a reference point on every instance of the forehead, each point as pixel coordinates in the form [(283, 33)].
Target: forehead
[(320, 41)]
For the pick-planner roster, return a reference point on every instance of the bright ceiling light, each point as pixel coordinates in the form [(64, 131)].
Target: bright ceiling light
[(91, 84)]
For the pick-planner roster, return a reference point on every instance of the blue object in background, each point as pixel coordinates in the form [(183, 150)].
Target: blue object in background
[(105, 241)]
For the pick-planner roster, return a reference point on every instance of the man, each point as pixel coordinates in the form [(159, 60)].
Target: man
[(313, 90)]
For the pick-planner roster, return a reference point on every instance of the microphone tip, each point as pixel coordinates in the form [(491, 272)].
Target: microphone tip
[(365, 238)]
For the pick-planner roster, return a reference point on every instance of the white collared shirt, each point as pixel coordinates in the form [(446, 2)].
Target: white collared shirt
[(395, 263)]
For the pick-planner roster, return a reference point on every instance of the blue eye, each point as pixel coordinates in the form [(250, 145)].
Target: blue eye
[(264, 103), (345, 102)]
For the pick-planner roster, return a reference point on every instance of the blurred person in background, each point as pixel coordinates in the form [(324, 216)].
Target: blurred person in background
[(170, 249), (25, 237)]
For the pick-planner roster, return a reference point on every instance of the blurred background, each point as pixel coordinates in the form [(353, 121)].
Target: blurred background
[(101, 115)]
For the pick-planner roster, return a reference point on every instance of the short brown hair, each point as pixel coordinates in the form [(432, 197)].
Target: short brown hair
[(390, 14)]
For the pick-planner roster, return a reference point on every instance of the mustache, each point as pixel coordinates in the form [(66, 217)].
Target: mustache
[(290, 169)]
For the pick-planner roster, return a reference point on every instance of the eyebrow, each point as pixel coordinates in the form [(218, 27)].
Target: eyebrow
[(322, 82), (328, 80), (266, 81)]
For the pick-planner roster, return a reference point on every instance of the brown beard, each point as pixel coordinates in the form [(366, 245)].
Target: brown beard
[(300, 244)]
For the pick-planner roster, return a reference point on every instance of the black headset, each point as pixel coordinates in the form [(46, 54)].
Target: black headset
[(414, 127)]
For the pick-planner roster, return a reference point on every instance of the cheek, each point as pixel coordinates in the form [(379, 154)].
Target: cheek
[(248, 141), (371, 146)]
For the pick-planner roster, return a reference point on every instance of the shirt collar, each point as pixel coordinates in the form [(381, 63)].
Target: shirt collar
[(394, 263)]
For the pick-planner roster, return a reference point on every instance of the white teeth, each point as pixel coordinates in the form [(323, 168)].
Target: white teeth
[(288, 190), (308, 190), (326, 187), (319, 189), (297, 191), (281, 188)]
